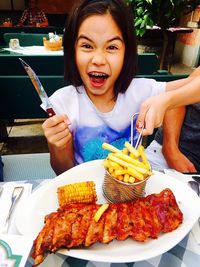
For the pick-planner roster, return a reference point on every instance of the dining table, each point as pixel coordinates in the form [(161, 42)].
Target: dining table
[(28, 29), (184, 254), (43, 62)]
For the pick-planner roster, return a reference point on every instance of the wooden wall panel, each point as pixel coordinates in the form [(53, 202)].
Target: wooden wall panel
[(56, 6)]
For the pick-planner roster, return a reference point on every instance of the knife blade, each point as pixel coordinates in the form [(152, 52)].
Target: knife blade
[(39, 88)]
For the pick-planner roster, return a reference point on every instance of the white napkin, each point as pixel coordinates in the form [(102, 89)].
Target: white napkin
[(5, 202), (185, 178)]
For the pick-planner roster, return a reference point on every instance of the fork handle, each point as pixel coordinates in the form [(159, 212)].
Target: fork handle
[(14, 199), (6, 226)]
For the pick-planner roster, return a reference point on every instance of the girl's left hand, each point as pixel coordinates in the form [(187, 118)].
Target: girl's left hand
[(152, 113)]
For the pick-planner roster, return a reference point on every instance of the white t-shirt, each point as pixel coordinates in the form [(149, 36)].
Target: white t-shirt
[(91, 128)]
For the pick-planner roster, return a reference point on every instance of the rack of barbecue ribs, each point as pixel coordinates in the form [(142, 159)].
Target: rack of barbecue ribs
[(74, 225)]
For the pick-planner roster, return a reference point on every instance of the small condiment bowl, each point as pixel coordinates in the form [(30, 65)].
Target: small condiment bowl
[(53, 46)]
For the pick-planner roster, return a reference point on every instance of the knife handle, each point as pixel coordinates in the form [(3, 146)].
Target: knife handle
[(50, 112)]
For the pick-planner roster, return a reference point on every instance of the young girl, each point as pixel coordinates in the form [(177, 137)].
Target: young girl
[(100, 64)]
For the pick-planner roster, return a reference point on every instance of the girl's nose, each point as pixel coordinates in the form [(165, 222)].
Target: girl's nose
[(98, 58)]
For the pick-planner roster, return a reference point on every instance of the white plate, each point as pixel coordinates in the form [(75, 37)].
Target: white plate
[(30, 217)]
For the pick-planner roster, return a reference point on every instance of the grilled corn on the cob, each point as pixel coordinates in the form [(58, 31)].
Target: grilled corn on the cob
[(83, 192)]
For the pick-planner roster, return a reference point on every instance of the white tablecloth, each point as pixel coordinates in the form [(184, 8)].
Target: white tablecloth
[(34, 50)]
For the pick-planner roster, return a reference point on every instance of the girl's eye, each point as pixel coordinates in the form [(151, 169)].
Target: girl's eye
[(86, 46), (112, 47)]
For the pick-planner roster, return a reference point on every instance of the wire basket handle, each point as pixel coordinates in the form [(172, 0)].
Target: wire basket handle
[(139, 139)]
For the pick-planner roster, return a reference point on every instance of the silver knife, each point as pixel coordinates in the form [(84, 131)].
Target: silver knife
[(39, 88)]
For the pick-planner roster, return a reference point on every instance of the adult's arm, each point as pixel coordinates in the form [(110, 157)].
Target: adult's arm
[(172, 125), (178, 93)]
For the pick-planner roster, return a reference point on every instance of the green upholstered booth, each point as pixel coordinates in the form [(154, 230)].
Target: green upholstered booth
[(25, 39)]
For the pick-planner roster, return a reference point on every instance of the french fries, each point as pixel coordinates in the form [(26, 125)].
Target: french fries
[(129, 165), (100, 212)]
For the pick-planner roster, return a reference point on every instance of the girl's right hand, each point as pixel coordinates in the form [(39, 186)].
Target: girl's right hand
[(56, 131)]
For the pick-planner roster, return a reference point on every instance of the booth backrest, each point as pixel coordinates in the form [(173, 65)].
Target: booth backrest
[(148, 63), (25, 39), (19, 99), (42, 65)]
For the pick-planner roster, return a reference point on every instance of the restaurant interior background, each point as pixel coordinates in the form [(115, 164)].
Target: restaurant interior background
[(186, 47)]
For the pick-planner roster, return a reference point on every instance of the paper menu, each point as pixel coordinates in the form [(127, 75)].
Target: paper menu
[(14, 250)]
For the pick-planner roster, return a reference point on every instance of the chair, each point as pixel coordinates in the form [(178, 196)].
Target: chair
[(27, 167), (25, 39), (148, 63)]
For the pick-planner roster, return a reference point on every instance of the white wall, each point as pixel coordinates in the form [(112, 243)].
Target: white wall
[(187, 49)]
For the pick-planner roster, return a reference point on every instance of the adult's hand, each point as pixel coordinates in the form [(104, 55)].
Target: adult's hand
[(178, 161), (152, 113)]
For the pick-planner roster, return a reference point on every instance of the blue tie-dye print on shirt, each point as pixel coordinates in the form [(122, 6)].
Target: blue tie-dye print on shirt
[(88, 142)]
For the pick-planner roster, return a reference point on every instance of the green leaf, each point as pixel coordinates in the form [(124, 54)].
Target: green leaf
[(163, 13), (142, 32), (138, 22)]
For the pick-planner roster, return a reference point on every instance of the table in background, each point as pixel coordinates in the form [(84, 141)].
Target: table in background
[(154, 39), (28, 29)]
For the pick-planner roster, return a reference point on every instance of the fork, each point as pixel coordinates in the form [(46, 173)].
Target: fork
[(16, 194), (139, 139)]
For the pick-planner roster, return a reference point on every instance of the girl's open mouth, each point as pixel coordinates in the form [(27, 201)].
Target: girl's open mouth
[(97, 78)]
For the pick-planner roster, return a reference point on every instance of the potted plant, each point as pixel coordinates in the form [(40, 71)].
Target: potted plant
[(164, 14)]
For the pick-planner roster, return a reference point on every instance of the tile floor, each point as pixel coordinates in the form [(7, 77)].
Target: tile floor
[(26, 136)]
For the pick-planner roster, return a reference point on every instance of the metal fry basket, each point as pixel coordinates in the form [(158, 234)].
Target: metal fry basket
[(115, 190)]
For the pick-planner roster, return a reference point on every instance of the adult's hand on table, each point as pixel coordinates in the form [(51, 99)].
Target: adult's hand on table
[(177, 160), (56, 131)]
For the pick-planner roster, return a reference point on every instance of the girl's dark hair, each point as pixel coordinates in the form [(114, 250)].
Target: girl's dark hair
[(123, 18)]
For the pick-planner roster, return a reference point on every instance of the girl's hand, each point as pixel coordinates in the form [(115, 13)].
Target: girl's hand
[(56, 131), (152, 113)]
